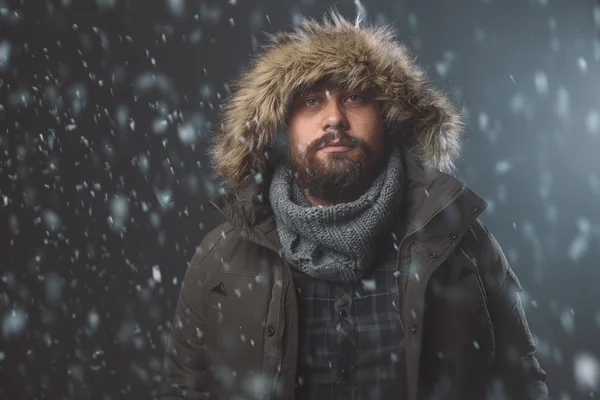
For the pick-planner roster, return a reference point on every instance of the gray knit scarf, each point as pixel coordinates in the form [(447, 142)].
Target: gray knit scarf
[(338, 242)]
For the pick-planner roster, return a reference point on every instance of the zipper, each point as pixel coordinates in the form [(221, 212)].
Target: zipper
[(280, 363), (398, 278), (401, 250)]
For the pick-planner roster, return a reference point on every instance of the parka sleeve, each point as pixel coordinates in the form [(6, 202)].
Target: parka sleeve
[(185, 374), (515, 363)]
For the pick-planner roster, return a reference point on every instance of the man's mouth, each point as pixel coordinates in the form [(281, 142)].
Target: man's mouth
[(336, 147)]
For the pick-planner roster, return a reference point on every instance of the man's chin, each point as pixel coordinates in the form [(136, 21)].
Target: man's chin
[(333, 164), (331, 176)]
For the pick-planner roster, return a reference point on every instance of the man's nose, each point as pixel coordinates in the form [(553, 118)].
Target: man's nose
[(334, 115)]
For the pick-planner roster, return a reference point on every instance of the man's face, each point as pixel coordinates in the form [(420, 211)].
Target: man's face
[(337, 142)]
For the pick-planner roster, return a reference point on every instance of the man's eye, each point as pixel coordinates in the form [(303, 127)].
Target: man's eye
[(355, 98), (311, 102)]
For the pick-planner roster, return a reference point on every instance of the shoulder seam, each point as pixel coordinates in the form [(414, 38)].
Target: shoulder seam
[(212, 248)]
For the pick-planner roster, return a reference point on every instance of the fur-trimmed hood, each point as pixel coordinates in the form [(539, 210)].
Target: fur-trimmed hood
[(354, 55)]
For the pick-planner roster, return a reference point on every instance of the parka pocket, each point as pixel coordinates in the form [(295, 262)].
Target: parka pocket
[(460, 303), (483, 322)]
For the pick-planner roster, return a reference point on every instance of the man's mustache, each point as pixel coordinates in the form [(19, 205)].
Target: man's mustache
[(339, 137)]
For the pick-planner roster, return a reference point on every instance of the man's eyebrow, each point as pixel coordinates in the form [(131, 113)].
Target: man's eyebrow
[(328, 89), (317, 90)]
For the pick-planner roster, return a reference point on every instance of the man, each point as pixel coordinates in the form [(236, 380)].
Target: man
[(352, 266)]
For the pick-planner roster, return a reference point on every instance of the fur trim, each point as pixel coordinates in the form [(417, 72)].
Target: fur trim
[(356, 56)]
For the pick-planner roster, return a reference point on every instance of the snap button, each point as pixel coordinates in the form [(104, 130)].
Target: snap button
[(346, 370), (345, 374), (432, 255), (453, 235), (270, 331), (414, 329), (474, 208)]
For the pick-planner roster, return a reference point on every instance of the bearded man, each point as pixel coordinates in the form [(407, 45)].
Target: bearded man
[(354, 264)]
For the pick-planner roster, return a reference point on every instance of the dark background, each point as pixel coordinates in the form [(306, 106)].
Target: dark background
[(106, 107)]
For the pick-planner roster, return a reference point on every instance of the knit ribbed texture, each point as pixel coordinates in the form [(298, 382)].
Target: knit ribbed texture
[(338, 242)]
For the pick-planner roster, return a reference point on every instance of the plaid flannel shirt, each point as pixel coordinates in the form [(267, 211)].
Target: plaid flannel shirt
[(351, 344)]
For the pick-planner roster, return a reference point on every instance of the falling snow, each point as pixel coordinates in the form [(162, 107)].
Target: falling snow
[(5, 50), (587, 371), (13, 323), (156, 275), (107, 115)]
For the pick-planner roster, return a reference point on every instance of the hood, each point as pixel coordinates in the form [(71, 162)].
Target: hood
[(351, 54)]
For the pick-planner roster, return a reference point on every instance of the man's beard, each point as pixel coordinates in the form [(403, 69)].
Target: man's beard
[(338, 176)]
